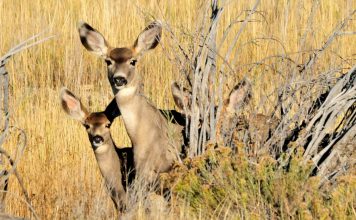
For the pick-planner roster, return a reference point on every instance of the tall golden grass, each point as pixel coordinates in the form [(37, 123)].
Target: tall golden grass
[(58, 167)]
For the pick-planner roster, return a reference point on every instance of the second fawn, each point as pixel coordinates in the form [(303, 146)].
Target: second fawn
[(233, 125)]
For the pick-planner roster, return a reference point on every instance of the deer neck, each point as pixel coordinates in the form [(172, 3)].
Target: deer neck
[(132, 103), (109, 163), (146, 127)]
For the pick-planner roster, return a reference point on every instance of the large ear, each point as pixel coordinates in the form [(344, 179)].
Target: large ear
[(72, 105), (92, 40), (149, 38), (182, 97), (112, 110), (239, 95)]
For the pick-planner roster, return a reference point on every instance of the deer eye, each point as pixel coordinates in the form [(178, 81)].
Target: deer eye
[(108, 125), (133, 62), (86, 126), (108, 62)]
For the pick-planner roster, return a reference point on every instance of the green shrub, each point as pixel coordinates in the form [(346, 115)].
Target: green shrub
[(219, 184)]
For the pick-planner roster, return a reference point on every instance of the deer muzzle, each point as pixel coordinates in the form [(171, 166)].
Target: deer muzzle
[(119, 81)]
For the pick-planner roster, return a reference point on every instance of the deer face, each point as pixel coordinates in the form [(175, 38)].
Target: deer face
[(98, 129), (121, 62), (121, 68), (96, 124)]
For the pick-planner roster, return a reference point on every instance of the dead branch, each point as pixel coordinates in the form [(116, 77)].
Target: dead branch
[(283, 134), (4, 79), (329, 137)]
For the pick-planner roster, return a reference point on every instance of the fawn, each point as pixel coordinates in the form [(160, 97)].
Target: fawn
[(233, 125), (115, 164)]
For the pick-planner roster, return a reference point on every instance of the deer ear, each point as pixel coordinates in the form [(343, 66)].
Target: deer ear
[(92, 40), (239, 95), (72, 105), (149, 38), (181, 96), (112, 110)]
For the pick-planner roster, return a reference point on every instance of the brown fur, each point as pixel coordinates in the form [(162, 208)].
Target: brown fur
[(97, 119), (240, 129), (109, 161), (236, 127), (121, 55), (156, 143), (233, 127)]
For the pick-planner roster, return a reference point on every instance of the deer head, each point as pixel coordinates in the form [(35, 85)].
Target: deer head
[(121, 62), (97, 124)]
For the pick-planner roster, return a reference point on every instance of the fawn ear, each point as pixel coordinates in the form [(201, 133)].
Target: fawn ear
[(72, 105), (181, 96), (92, 40), (112, 110), (239, 95), (149, 38)]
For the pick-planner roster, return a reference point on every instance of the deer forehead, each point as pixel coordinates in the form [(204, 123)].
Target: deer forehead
[(121, 55), (97, 119)]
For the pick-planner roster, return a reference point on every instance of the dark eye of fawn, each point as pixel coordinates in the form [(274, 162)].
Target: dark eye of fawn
[(108, 62), (108, 125), (133, 62), (86, 126)]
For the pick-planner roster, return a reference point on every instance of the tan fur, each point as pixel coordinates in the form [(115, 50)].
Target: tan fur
[(156, 143), (234, 128), (110, 168), (230, 128), (97, 124), (238, 128)]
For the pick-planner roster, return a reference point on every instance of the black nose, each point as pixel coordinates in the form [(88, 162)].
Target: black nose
[(98, 139), (119, 81)]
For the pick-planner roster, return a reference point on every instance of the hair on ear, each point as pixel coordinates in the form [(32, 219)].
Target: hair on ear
[(181, 96), (239, 95), (92, 39), (149, 38), (72, 105)]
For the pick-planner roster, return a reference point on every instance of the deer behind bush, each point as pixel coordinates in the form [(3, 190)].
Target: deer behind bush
[(233, 126)]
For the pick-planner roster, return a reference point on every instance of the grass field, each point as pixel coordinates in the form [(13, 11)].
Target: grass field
[(58, 167)]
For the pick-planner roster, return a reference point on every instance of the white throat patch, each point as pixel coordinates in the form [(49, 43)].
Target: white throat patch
[(130, 91), (102, 148)]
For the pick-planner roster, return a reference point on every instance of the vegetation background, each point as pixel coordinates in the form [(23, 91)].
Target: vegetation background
[(59, 168)]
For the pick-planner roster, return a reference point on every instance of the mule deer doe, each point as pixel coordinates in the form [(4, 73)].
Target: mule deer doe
[(115, 164), (233, 125), (156, 143)]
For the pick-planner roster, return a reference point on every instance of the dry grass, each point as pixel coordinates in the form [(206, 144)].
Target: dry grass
[(59, 168)]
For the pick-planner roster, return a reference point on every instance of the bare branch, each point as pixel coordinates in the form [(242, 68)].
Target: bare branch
[(4, 76)]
